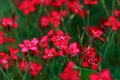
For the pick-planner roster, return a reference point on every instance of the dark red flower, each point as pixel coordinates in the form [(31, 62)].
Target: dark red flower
[(90, 58), (103, 75), (69, 73), (13, 53), (96, 32)]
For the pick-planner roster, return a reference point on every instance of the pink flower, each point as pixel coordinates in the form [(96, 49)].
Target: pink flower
[(103, 75), (30, 45), (91, 2), (13, 53), (4, 58), (69, 73), (74, 48)]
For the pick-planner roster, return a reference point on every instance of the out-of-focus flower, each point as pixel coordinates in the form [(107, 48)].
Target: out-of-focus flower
[(34, 67), (69, 73), (113, 22), (4, 58), (2, 38), (91, 2), (54, 18), (77, 8), (9, 22), (103, 75), (96, 32), (13, 53)]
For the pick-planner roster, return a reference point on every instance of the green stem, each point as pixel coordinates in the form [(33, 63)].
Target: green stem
[(4, 73)]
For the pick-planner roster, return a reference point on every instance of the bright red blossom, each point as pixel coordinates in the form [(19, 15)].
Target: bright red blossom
[(103, 75), (69, 73)]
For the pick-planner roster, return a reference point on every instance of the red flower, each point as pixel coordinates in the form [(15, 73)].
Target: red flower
[(104, 75), (4, 58), (49, 53), (96, 32), (69, 73), (113, 22), (92, 2), (13, 53), (28, 6), (90, 58), (77, 8), (61, 39), (74, 48), (23, 66), (35, 68), (58, 3), (116, 13), (54, 18), (9, 22), (30, 45), (11, 40), (44, 21), (2, 38)]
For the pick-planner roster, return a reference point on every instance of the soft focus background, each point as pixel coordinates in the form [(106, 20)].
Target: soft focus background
[(28, 29)]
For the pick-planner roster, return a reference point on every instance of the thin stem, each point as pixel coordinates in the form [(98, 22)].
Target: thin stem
[(4, 73), (28, 67)]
